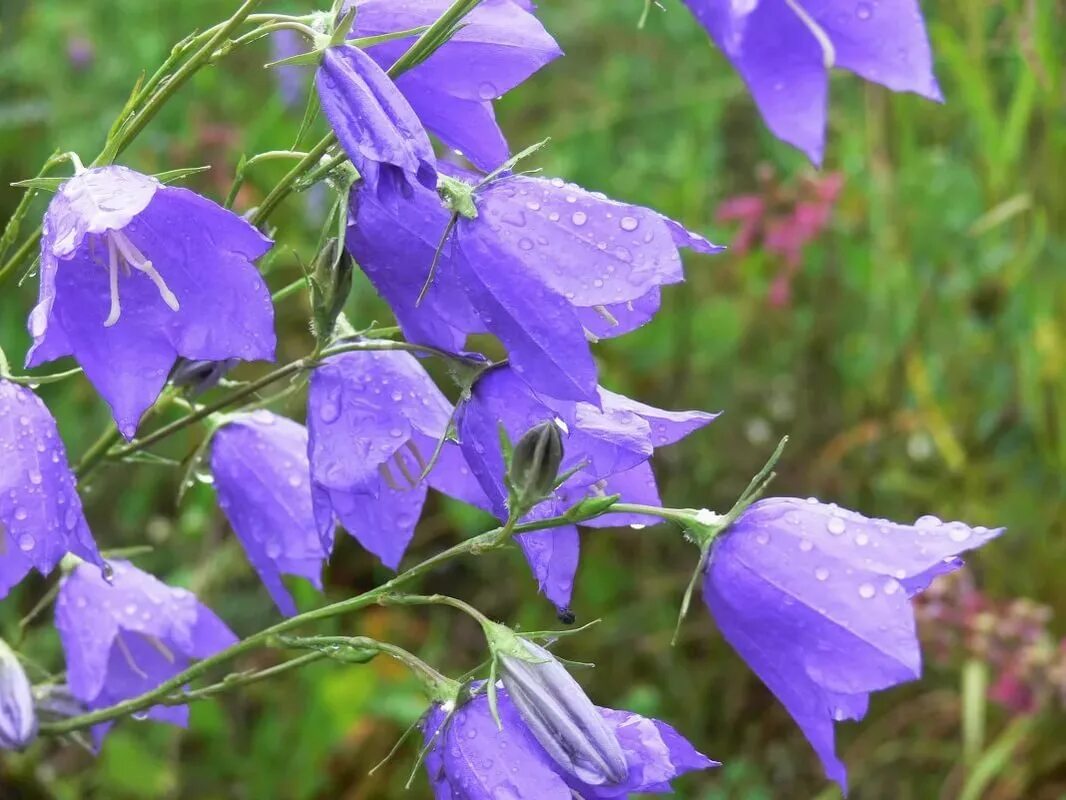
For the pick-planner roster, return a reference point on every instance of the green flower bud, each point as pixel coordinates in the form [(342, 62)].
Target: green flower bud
[(535, 464)]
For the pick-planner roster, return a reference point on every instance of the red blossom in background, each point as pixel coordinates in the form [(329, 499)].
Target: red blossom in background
[(782, 218), (1026, 660)]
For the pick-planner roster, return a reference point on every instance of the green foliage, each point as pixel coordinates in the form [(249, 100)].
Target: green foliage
[(920, 366)]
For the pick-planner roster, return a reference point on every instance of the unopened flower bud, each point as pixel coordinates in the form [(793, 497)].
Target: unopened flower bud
[(535, 462), (200, 376), (331, 282), (18, 721), (560, 715)]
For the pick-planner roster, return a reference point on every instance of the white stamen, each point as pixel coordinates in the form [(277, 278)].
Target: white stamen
[(829, 53), (112, 272), (136, 259), (607, 315), (125, 650)]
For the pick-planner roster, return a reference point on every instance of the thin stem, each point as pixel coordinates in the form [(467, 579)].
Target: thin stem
[(186, 71), (246, 164), (97, 451), (242, 679), (667, 514), (39, 380), (21, 254), (431, 39), (282, 189)]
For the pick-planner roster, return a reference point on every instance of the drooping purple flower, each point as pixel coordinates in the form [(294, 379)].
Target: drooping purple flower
[(498, 46), (784, 50), (816, 599), (541, 260), (373, 121), (614, 442), (464, 759), (374, 419), (41, 518), (124, 638), (135, 274), (263, 479), (18, 719)]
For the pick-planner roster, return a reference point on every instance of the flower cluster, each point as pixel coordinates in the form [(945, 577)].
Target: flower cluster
[(142, 283)]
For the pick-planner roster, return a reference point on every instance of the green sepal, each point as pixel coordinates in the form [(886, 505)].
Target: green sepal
[(591, 507)]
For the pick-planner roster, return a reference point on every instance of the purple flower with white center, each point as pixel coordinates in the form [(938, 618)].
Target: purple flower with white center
[(18, 719), (374, 419), (41, 518), (615, 441), (263, 478), (816, 599), (464, 759), (498, 46), (135, 274), (374, 123), (539, 262), (784, 50), (124, 638)]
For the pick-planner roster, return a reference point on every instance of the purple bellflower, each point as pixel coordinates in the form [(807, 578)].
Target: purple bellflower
[(614, 441), (784, 50), (126, 637), (135, 274), (374, 419), (41, 518), (498, 46), (374, 123), (533, 261), (263, 479), (816, 599), (18, 718), (470, 758)]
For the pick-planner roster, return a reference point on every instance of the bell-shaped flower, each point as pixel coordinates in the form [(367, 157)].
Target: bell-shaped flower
[(499, 45), (816, 599), (470, 757), (374, 123), (784, 50), (535, 261), (41, 517), (135, 274), (126, 637), (263, 478), (18, 718), (612, 443), (374, 419)]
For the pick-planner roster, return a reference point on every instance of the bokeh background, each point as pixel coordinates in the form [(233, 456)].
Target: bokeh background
[(899, 314)]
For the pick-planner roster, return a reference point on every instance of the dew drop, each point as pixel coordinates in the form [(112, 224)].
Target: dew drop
[(863, 11), (21, 514), (835, 526), (821, 574), (806, 545), (891, 586), (861, 539), (579, 218), (628, 223), (26, 543), (525, 244), (866, 591)]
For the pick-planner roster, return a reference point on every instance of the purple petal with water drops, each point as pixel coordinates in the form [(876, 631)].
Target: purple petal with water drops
[(128, 636), (41, 516), (655, 754), (545, 340), (784, 49), (884, 42), (394, 244), (473, 756), (374, 419), (635, 485), (553, 556), (373, 121), (782, 62), (262, 476), (667, 427), (498, 45), (818, 613), (160, 273)]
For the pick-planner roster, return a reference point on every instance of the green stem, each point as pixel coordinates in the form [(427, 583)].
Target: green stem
[(282, 189), (247, 163), (286, 292), (97, 451), (241, 679), (202, 56)]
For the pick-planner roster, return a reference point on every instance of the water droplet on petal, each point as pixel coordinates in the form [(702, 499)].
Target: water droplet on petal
[(26, 543), (821, 574), (866, 591), (835, 526), (628, 223), (579, 218)]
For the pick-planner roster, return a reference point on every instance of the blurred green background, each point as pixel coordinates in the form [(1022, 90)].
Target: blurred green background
[(918, 363)]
